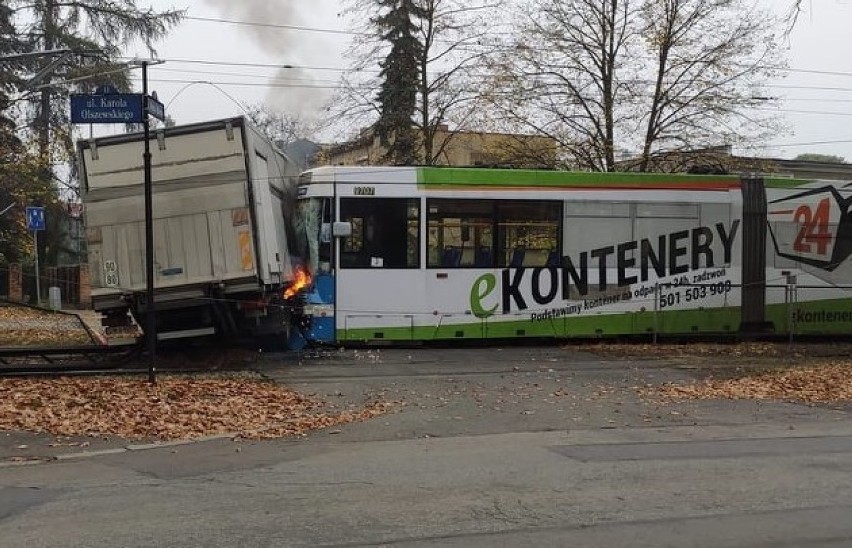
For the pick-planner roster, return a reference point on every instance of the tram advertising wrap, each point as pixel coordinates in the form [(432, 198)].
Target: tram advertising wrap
[(444, 253)]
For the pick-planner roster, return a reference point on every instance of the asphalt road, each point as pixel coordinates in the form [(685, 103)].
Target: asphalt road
[(487, 447)]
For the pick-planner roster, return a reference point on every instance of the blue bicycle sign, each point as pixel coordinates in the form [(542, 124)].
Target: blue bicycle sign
[(35, 218)]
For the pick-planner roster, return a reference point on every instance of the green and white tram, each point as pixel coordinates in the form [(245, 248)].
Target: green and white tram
[(419, 254)]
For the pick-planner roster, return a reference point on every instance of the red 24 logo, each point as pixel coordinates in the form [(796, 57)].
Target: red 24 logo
[(821, 219), (814, 229)]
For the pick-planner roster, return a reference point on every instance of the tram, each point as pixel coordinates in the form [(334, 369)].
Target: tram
[(425, 253)]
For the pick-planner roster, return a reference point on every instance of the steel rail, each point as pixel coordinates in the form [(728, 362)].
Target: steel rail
[(23, 360)]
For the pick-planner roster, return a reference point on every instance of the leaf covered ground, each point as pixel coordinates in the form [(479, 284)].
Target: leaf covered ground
[(175, 408), (809, 372), (24, 326), (720, 352), (829, 382)]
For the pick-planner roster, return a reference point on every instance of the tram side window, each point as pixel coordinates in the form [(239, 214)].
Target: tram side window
[(385, 233), (460, 233), (493, 233), (528, 233)]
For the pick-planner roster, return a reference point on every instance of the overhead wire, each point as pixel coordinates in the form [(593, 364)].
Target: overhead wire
[(274, 25), (242, 74), (355, 33), (210, 62), (245, 84), (296, 85), (312, 83), (254, 65), (342, 70), (318, 84)]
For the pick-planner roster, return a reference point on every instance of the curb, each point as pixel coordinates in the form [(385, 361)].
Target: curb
[(178, 443), (116, 451), (87, 454), (25, 462)]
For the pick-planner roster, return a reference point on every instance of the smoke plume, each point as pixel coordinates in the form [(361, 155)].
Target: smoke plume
[(293, 90)]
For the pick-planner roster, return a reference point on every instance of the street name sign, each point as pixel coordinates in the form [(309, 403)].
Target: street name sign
[(156, 108), (120, 108)]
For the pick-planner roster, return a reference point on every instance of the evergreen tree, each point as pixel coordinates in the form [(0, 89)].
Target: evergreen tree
[(8, 45), (10, 145), (98, 28), (24, 181), (397, 97)]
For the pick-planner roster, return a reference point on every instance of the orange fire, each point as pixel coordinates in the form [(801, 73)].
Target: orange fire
[(302, 280)]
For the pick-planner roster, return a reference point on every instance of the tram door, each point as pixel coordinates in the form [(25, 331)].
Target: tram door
[(378, 269)]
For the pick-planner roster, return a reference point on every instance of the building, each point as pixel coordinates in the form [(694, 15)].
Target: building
[(455, 148), (807, 169), (722, 160)]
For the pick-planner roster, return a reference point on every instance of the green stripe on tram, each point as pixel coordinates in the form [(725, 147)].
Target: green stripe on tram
[(532, 178), (821, 318)]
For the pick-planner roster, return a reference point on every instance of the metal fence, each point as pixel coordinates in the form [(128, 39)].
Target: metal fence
[(4, 281), (72, 281)]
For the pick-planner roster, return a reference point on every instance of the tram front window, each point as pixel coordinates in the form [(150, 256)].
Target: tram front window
[(313, 222)]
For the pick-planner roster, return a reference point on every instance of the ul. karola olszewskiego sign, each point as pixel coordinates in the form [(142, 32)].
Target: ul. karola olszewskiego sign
[(813, 227), (107, 106)]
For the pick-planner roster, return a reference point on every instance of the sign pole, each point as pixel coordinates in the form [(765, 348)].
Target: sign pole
[(150, 313), (35, 222), (38, 282)]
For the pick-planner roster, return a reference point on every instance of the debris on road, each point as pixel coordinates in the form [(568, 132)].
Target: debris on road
[(666, 350), (176, 408), (826, 383)]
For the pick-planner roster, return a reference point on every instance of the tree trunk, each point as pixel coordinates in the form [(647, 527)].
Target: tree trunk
[(44, 100), (654, 113)]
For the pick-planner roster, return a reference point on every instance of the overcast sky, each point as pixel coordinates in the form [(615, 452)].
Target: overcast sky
[(817, 107)]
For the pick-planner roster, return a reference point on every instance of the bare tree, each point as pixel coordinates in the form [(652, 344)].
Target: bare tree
[(708, 58), (604, 77), (558, 78), (454, 37), (280, 127), (793, 13)]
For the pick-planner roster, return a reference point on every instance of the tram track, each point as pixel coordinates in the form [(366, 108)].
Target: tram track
[(40, 342), (124, 358), (74, 359)]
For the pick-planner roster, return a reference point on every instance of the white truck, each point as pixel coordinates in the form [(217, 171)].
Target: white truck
[(222, 204)]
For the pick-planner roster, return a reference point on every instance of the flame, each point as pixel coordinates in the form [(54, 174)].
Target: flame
[(302, 280)]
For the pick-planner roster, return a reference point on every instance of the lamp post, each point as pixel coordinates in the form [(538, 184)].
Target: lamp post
[(150, 312)]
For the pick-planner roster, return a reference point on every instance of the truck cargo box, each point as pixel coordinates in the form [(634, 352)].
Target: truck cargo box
[(220, 206)]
